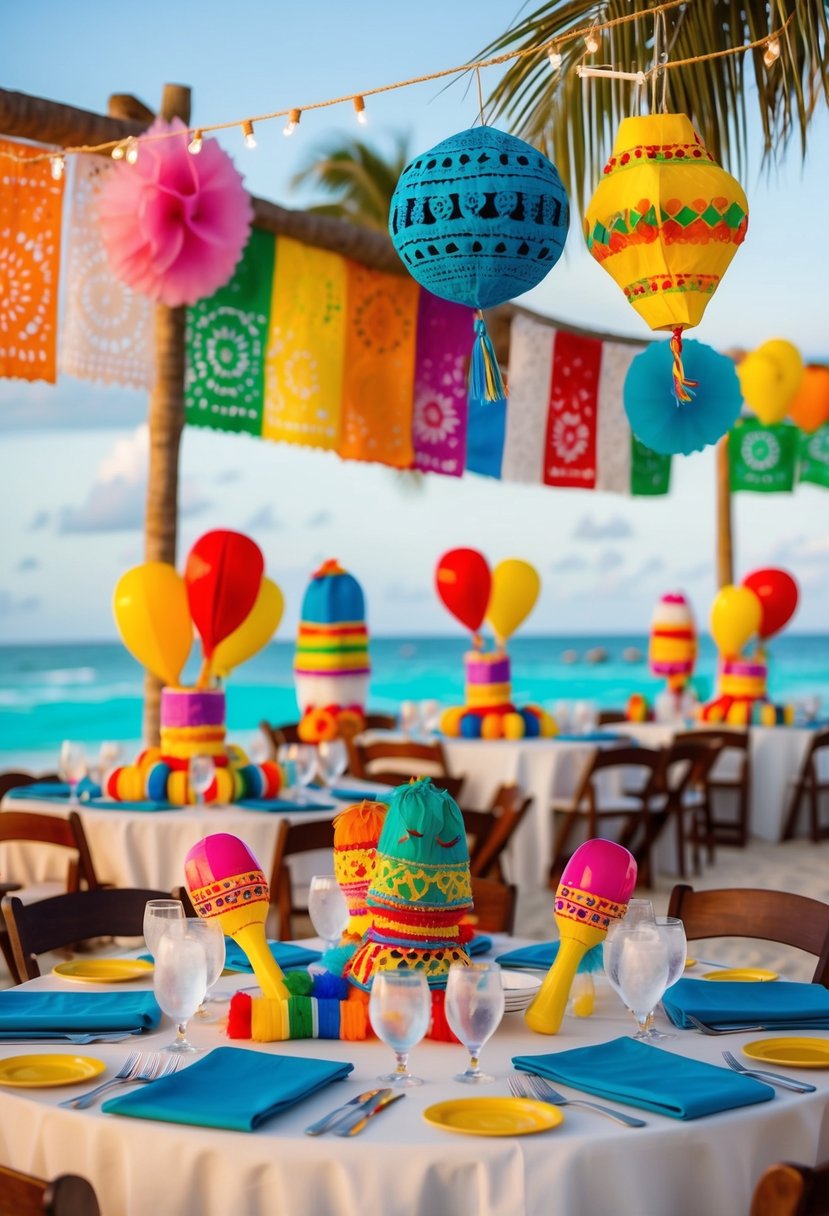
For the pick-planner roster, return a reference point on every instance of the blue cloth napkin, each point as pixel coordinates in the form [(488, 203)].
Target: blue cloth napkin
[(231, 1088), (282, 804), (287, 955), (147, 804), (723, 1002), (359, 795), (23, 1011), (594, 736), (641, 1075), (55, 789), (539, 956), (480, 944)]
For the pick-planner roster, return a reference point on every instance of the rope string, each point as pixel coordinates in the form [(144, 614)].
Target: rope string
[(682, 386)]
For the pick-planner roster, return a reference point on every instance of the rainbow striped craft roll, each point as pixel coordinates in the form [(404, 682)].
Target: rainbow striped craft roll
[(331, 664)]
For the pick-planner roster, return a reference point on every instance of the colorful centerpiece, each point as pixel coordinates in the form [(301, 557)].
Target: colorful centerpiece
[(356, 834), (504, 597), (331, 665), (236, 610), (672, 652)]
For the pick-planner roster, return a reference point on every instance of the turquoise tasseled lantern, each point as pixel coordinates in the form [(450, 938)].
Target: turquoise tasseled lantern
[(480, 218)]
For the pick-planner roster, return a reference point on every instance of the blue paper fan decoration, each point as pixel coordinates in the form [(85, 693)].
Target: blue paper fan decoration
[(669, 426)]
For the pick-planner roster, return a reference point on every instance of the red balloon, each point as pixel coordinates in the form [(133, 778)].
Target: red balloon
[(463, 581), (223, 574), (777, 592)]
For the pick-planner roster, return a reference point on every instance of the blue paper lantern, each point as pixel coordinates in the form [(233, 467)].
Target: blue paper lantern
[(667, 425), (480, 218)]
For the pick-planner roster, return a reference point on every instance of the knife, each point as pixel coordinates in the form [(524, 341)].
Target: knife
[(350, 1127), (347, 1109)]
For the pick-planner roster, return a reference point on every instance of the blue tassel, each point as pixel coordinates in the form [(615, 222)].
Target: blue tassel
[(592, 960), (485, 380)]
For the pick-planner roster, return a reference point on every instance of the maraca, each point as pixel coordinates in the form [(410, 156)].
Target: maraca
[(225, 881), (595, 887)]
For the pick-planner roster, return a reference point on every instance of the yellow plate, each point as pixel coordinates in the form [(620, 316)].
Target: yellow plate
[(103, 970), (795, 1053), (494, 1116), (690, 962), (37, 1072), (747, 974)]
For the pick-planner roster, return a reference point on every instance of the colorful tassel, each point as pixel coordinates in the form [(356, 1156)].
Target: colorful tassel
[(485, 380), (682, 387)]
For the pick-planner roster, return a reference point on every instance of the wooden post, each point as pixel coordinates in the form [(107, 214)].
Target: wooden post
[(166, 422), (725, 532)]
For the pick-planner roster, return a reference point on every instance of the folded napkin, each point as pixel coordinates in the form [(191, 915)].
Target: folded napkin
[(539, 956), (480, 944), (282, 804), (779, 1004), (641, 1075), (359, 795), (55, 789), (23, 1011), (595, 736), (287, 955), (231, 1088), (147, 804)]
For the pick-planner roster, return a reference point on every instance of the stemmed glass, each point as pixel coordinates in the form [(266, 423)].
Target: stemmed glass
[(72, 767), (636, 964), (180, 980), (332, 758), (202, 773), (212, 939), (410, 722), (158, 915), (673, 932), (327, 909), (399, 1009), (108, 757), (300, 763), (474, 1008)]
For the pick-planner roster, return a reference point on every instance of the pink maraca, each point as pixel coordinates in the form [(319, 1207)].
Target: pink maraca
[(595, 887), (225, 881)]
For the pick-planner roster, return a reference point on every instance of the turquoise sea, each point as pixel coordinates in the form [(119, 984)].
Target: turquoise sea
[(93, 691)]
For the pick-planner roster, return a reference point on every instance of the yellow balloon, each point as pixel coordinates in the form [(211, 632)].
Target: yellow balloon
[(255, 631), (515, 588), (153, 618), (789, 364), (769, 378), (735, 616)]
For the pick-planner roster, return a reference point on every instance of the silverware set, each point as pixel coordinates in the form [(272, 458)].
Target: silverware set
[(773, 1078), (529, 1085), (138, 1067), (744, 1027), (351, 1117)]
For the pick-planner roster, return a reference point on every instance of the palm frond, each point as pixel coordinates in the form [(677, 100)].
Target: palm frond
[(358, 179)]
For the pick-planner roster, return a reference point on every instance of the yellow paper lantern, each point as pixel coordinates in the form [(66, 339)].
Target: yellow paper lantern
[(665, 222), (770, 378)]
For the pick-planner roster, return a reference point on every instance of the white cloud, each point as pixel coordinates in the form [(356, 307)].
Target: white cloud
[(264, 520), (571, 562), (319, 519), (10, 604), (609, 559), (29, 562), (408, 595), (39, 521), (614, 528), (69, 405)]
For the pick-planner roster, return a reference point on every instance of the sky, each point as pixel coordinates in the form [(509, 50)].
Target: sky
[(74, 455)]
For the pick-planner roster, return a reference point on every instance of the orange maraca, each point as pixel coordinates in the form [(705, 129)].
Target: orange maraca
[(225, 881), (595, 887)]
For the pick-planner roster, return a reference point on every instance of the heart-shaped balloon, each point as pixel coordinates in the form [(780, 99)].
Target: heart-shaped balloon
[(777, 592), (150, 607), (735, 617), (515, 588), (255, 631), (223, 574), (464, 582)]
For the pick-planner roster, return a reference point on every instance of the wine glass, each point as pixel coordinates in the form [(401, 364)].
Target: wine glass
[(202, 774), (108, 756), (638, 910), (430, 714), (673, 932), (327, 909), (212, 939), (180, 980), (332, 758), (636, 964), (72, 767), (474, 1008), (300, 763), (399, 1009), (410, 718), (158, 915)]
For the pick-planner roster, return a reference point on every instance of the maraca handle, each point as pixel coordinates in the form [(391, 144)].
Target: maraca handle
[(546, 1012), (265, 967)]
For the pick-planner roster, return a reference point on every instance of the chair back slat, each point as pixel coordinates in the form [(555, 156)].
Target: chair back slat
[(24, 1195), (493, 905)]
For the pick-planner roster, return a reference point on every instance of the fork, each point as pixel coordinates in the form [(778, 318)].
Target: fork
[(126, 1072), (706, 1029), (150, 1068), (776, 1078), (528, 1085)]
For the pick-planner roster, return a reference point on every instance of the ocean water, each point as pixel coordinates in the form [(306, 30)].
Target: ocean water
[(93, 691)]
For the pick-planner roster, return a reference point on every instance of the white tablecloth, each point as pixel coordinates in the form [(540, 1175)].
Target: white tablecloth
[(401, 1166)]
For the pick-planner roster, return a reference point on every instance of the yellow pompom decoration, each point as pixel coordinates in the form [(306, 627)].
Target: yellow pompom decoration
[(236, 755), (178, 788), (130, 784), (146, 759), (450, 721), (738, 713), (513, 726), (491, 726), (222, 788)]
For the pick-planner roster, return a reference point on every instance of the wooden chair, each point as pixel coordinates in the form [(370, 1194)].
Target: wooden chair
[(80, 916), (808, 787), (293, 839), (720, 830), (686, 768), (67, 1195), (490, 831), (632, 808), (792, 1190), (378, 721), (607, 717), (395, 761), (277, 735), (772, 916), (493, 905)]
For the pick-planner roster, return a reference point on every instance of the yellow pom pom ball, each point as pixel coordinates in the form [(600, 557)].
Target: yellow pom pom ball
[(223, 785), (450, 721), (178, 788), (491, 726), (238, 790), (130, 784), (738, 713), (236, 754), (146, 759), (513, 726)]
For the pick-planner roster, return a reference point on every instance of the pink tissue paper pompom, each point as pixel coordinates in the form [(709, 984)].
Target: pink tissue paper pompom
[(173, 224)]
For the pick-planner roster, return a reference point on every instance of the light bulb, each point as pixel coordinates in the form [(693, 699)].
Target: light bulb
[(195, 145), (360, 108), (118, 152), (57, 165), (554, 57), (131, 152), (292, 123), (247, 133), (772, 52), (592, 44)]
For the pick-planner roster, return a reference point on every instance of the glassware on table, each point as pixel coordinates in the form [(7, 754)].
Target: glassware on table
[(399, 1009), (158, 915), (474, 1008), (636, 962), (638, 910), (563, 716), (72, 767), (109, 754), (332, 760), (673, 931), (260, 748), (212, 939), (327, 909), (299, 762), (409, 717), (585, 717), (180, 980), (202, 772), (430, 715)]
